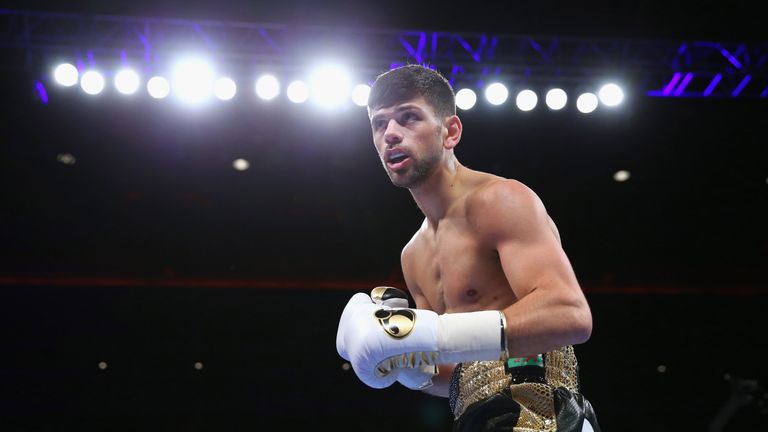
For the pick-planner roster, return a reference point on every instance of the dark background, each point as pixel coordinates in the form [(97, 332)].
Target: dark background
[(151, 253)]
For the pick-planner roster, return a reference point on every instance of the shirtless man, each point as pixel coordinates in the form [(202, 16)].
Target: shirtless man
[(498, 306)]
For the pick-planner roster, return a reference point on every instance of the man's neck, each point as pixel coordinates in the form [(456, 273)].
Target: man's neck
[(437, 194)]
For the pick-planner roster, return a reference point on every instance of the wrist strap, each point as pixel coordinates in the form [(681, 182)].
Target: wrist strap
[(472, 336), (504, 341)]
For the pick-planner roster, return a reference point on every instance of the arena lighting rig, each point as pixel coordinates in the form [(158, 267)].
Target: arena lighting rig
[(130, 55), (193, 82)]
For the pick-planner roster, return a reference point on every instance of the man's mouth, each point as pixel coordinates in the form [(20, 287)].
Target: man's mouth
[(397, 159)]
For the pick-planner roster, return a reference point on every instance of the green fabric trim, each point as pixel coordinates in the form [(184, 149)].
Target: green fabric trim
[(536, 360)]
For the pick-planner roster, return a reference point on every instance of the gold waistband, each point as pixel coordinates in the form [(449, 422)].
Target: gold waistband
[(476, 381)]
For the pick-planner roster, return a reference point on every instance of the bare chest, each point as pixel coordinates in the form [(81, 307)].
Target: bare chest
[(456, 272)]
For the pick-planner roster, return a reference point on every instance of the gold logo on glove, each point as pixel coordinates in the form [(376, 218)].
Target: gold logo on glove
[(398, 323)]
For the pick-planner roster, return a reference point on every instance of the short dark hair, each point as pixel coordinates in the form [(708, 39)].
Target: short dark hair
[(410, 81)]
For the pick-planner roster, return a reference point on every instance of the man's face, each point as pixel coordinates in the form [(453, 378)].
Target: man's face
[(408, 138)]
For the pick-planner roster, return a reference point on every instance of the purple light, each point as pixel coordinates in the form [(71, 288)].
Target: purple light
[(741, 85), (679, 90), (730, 58), (422, 42), (147, 48), (494, 41), (712, 84), (41, 92), (415, 53), (668, 88), (476, 53), (764, 92), (204, 36), (682, 48), (269, 40), (536, 47), (455, 70)]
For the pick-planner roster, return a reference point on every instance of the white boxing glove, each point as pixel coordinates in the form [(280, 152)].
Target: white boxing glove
[(377, 339), (418, 378)]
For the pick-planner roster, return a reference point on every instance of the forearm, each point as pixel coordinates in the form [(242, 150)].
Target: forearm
[(541, 322), (536, 324)]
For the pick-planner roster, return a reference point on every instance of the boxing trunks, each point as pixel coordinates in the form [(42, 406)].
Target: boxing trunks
[(533, 394)]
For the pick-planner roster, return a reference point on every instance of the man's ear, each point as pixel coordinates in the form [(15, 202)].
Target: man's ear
[(454, 127)]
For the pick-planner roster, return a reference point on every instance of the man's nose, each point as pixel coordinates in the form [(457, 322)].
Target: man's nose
[(393, 134)]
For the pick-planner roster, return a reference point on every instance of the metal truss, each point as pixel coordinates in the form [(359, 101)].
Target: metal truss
[(33, 40)]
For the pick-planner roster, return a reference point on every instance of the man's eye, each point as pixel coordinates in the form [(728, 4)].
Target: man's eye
[(409, 116)]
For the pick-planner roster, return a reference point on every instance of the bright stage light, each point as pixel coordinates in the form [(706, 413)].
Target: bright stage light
[(66, 158), (127, 81), (496, 93), (329, 86), (526, 100), (360, 95), (465, 98), (65, 74), (267, 87), (610, 95), (92, 82), (586, 103), (240, 164), (192, 80), (556, 99), (297, 92), (158, 87), (225, 88), (621, 175)]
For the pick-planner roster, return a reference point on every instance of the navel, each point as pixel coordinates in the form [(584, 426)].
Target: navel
[(471, 293)]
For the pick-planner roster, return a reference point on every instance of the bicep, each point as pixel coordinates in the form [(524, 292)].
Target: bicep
[(528, 244), (535, 262)]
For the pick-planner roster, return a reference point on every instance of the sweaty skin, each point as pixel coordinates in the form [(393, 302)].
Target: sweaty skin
[(486, 243)]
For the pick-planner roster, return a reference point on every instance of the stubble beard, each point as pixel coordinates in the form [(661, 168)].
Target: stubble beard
[(419, 171)]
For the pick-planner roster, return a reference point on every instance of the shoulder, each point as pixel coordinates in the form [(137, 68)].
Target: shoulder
[(410, 250), (502, 205), (503, 194)]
